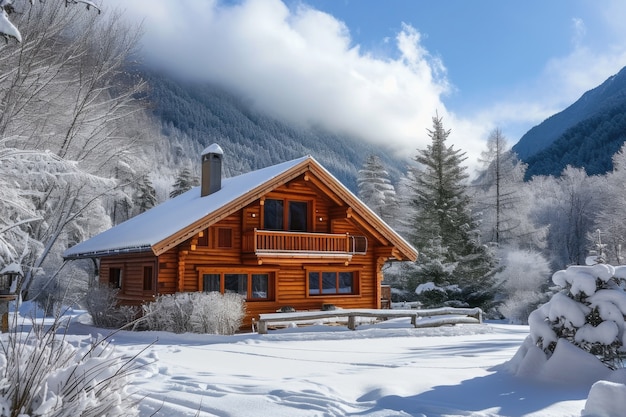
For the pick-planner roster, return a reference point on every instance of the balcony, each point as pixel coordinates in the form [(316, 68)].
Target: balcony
[(280, 244)]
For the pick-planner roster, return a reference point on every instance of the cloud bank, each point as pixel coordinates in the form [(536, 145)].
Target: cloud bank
[(301, 64)]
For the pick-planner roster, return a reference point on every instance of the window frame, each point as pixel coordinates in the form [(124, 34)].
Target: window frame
[(118, 282), (249, 273), (287, 213), (356, 282)]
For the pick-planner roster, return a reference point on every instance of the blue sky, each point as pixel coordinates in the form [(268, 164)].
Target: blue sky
[(381, 70), (489, 47)]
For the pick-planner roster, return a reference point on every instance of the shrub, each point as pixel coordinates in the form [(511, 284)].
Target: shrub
[(101, 303), (41, 374), (589, 311), (522, 283), (196, 312)]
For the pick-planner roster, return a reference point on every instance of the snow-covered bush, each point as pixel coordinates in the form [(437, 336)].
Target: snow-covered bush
[(42, 374), (101, 303), (431, 295), (589, 312), (196, 312), (522, 283)]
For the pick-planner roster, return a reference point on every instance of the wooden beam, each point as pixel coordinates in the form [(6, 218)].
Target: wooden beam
[(180, 283), (323, 188)]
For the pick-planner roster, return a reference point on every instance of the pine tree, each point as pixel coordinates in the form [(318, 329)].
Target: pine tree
[(586, 312), (376, 189), (145, 195), (184, 182), (443, 221)]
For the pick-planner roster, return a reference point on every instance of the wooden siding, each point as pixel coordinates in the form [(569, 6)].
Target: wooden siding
[(132, 267), (179, 268)]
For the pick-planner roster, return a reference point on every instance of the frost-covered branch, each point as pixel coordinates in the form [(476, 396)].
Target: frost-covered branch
[(8, 30)]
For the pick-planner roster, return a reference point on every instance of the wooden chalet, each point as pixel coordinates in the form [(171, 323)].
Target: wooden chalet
[(287, 235)]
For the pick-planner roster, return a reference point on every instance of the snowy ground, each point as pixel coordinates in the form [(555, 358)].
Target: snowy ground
[(388, 369)]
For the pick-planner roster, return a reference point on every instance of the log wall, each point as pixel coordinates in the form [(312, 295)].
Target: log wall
[(179, 269)]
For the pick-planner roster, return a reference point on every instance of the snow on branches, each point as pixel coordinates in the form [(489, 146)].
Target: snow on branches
[(589, 312), (9, 30)]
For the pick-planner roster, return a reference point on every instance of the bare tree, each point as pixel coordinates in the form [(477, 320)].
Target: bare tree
[(66, 91)]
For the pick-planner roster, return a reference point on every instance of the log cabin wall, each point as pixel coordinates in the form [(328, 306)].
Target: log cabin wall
[(218, 249), (134, 275)]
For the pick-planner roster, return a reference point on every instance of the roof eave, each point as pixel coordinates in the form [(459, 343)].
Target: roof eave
[(108, 252)]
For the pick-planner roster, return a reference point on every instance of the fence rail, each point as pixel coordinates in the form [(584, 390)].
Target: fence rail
[(419, 318)]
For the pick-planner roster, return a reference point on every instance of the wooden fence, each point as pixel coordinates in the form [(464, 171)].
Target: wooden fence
[(435, 317)]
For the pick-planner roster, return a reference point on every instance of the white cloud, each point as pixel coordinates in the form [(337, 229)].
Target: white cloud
[(300, 64), (579, 31)]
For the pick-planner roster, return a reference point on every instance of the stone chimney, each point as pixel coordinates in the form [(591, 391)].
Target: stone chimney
[(211, 170)]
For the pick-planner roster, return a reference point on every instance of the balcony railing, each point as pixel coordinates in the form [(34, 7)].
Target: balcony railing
[(269, 241)]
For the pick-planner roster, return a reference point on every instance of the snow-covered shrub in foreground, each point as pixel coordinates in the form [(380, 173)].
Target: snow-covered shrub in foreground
[(588, 312), (196, 312), (42, 374), (583, 324)]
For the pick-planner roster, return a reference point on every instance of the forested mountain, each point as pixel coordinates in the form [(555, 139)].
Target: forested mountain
[(194, 115), (585, 135)]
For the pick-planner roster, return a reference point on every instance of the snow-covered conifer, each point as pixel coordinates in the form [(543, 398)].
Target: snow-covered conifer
[(376, 189), (442, 214), (184, 182), (589, 311), (145, 195)]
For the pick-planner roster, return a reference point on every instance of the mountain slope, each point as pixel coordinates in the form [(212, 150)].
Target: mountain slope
[(195, 115), (589, 144), (586, 134)]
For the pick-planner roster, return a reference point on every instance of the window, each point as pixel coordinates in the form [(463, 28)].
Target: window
[(224, 237), (147, 278), (211, 283), (273, 215), (254, 286), (260, 286), (298, 216), (286, 215), (332, 282), (115, 277), (237, 283)]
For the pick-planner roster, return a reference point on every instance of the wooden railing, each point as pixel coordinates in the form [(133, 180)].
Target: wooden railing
[(270, 241)]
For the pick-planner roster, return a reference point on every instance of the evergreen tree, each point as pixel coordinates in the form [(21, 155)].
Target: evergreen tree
[(376, 189), (444, 230), (585, 312), (184, 182), (145, 195)]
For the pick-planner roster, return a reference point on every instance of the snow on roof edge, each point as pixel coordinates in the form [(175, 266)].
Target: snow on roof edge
[(173, 215)]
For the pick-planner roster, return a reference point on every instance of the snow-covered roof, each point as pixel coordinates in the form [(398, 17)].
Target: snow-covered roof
[(12, 268), (142, 232), (176, 220)]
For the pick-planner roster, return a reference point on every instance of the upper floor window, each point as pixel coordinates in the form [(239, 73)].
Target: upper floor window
[(289, 215), (216, 238)]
